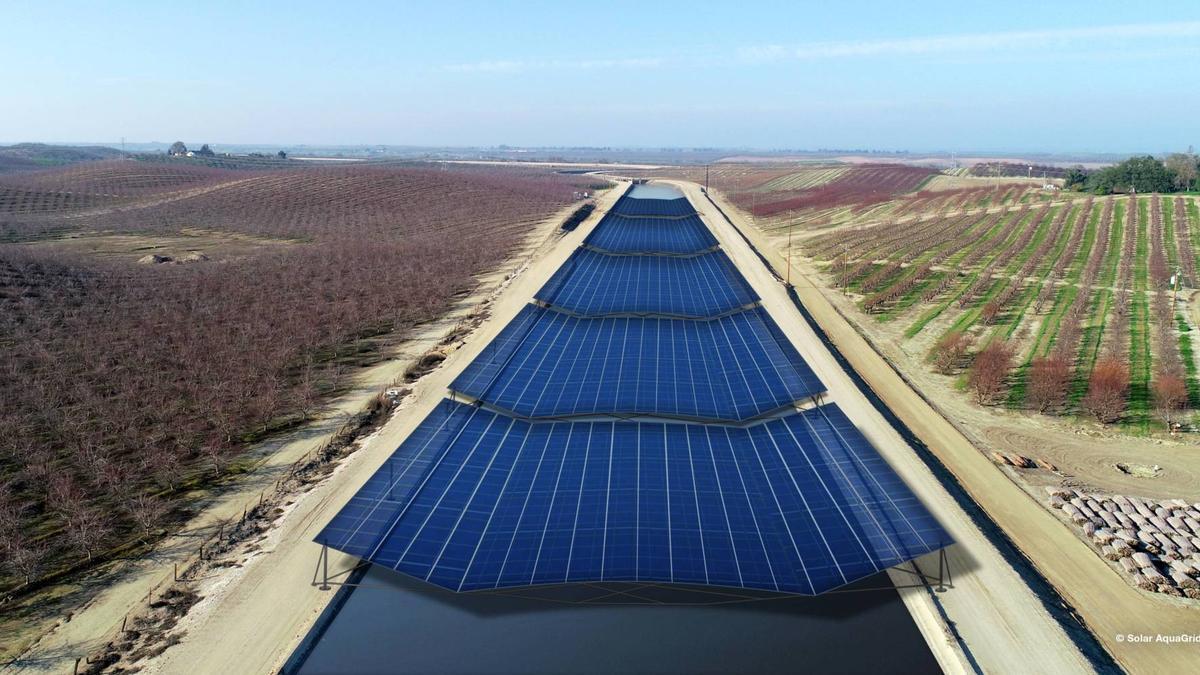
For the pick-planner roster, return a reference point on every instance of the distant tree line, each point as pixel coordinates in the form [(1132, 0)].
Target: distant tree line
[(1177, 173)]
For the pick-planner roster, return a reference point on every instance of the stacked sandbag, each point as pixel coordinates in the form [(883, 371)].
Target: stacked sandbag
[(1155, 544)]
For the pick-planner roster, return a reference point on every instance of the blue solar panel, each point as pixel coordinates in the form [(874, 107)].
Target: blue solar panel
[(546, 363), (593, 284), (477, 500), (536, 484), (618, 234), (659, 208)]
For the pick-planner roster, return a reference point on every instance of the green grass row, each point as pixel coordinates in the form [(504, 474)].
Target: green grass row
[(1049, 326), (967, 279), (970, 316), (1089, 349), (1140, 360)]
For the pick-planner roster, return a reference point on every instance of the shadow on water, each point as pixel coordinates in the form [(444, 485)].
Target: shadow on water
[(395, 623)]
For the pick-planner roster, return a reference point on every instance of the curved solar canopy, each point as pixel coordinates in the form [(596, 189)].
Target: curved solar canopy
[(550, 364), (591, 283), (657, 208), (478, 500), (642, 425), (617, 234)]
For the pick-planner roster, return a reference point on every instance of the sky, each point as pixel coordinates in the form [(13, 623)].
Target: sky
[(1067, 76)]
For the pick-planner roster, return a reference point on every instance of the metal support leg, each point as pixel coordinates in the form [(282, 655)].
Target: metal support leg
[(324, 567), (942, 569)]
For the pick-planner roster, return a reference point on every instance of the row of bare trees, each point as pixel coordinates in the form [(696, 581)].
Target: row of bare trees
[(125, 386), (1169, 386)]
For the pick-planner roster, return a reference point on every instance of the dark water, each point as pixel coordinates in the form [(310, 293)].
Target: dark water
[(655, 191), (394, 624)]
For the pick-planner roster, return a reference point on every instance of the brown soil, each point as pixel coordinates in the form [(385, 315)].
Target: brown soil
[(130, 247)]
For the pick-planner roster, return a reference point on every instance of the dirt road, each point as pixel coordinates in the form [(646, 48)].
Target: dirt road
[(1112, 609)]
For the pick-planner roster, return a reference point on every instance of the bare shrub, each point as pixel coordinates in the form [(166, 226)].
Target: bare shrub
[(1049, 382), (1108, 390), (989, 372), (1170, 397), (951, 352)]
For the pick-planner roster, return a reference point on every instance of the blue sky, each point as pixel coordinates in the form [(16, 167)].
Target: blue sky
[(1002, 76)]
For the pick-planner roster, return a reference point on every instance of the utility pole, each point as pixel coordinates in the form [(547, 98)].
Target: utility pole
[(789, 256), (705, 179)]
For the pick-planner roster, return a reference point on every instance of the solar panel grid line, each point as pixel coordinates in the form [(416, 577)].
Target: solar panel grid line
[(696, 502), (654, 207), (607, 503), (832, 462), (858, 463), (593, 284), (445, 491), (403, 475), (738, 367), (670, 529), (491, 514), (724, 509), (774, 363), (783, 517), (816, 523), (622, 235), (544, 354), (545, 519), (524, 508), (633, 252), (524, 322), (574, 363), (750, 509), (549, 510), (578, 501)]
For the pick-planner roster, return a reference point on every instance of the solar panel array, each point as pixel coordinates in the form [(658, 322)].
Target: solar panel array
[(549, 364), (639, 424), (476, 499), (592, 283), (659, 208), (686, 235)]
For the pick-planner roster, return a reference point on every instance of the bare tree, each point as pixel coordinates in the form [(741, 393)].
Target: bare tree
[(146, 512), (1048, 383), (1108, 389), (989, 372), (87, 528), (1170, 398), (1184, 168), (951, 351)]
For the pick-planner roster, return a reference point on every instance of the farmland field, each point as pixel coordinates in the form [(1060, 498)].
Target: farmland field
[(1090, 298), (1086, 283), (158, 317), (1087, 296)]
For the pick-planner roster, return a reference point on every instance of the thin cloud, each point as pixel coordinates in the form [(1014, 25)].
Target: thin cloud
[(967, 43), (971, 42), (514, 66)]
